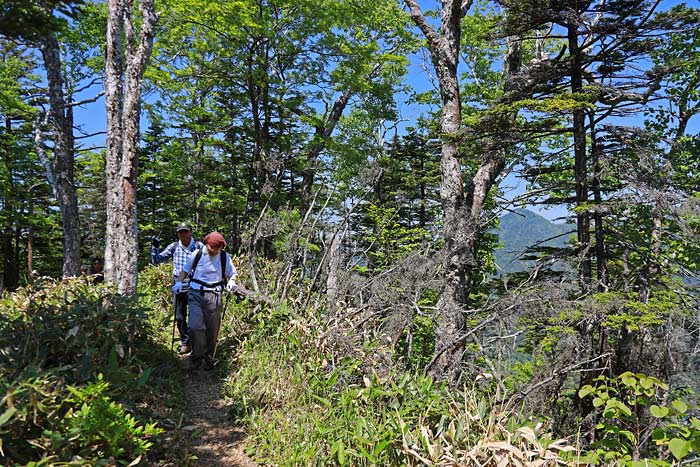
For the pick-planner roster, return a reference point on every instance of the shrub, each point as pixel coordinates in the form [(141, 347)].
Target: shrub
[(76, 366), (633, 412)]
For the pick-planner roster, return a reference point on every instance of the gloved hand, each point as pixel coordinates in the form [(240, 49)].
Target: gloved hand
[(155, 241), (231, 284), (177, 287)]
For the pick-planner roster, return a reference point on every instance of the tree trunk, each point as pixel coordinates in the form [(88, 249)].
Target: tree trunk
[(333, 240), (580, 163), (458, 232), (461, 208), (125, 62), (319, 141), (600, 252), (63, 179)]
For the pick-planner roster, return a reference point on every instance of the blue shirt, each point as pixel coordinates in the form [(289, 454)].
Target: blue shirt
[(177, 251)]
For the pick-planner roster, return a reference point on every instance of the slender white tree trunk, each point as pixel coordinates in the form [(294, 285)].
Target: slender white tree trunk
[(334, 262), (125, 62)]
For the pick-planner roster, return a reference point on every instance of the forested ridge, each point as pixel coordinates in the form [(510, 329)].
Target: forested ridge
[(360, 158)]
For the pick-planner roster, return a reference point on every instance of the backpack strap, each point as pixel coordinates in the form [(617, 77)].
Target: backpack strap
[(195, 262), (223, 267)]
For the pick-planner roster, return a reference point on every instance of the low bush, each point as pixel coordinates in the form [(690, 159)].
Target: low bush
[(82, 378)]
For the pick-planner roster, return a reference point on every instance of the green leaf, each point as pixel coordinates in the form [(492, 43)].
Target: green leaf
[(144, 377), (658, 412), (585, 390), (7, 415), (647, 383), (628, 379), (341, 453), (380, 447), (659, 436), (323, 401), (629, 435), (679, 448), (680, 406), (597, 402), (614, 406)]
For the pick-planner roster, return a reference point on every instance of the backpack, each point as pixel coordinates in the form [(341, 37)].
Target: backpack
[(195, 262)]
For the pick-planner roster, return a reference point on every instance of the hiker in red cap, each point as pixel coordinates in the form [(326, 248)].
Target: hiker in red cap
[(209, 269)]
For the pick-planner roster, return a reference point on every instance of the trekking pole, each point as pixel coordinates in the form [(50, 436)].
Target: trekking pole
[(172, 338), (223, 313)]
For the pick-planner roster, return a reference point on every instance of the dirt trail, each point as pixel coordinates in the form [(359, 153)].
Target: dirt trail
[(216, 443)]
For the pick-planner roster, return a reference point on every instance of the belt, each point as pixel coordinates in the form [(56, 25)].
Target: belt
[(203, 291)]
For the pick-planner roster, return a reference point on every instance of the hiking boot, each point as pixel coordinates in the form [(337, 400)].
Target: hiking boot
[(194, 364), (185, 349), (207, 365)]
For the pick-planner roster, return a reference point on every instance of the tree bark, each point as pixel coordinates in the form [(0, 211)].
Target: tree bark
[(458, 231), (580, 163), (125, 62), (333, 240), (62, 180), (600, 250)]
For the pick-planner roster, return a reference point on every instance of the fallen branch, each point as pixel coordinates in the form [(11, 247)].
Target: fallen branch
[(254, 297)]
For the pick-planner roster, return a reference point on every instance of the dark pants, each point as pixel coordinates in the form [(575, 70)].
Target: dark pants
[(180, 304), (205, 322)]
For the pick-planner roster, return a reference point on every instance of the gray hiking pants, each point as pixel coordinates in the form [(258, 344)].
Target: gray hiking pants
[(204, 322)]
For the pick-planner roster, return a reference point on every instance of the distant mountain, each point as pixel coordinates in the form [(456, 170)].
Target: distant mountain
[(522, 229)]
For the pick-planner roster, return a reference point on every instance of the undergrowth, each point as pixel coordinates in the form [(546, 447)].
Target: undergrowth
[(305, 406), (88, 378), (84, 379), (308, 402)]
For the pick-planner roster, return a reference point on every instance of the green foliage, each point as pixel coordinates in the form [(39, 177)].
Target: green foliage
[(389, 239), (82, 422), (75, 323), (305, 402), (99, 426), (27, 208), (613, 311), (30, 19), (418, 340), (90, 180), (634, 411), (78, 368), (401, 213), (15, 71), (240, 135)]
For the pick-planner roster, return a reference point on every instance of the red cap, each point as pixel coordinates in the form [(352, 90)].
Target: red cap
[(215, 239)]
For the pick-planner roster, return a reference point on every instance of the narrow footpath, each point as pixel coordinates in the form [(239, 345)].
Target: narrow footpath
[(215, 442)]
